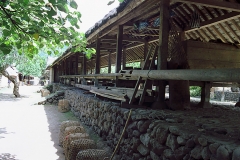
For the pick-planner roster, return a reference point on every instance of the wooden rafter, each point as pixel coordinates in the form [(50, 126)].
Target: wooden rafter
[(226, 33), (232, 31), (215, 21), (219, 34), (214, 4)]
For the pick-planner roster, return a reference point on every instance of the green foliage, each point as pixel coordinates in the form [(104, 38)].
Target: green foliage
[(133, 64), (195, 91), (34, 66), (33, 25)]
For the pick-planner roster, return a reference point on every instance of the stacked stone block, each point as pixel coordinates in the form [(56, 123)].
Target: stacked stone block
[(162, 134)]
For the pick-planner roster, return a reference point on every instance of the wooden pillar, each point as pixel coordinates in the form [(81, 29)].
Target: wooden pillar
[(68, 63), (124, 59), (97, 60), (179, 94), (119, 48), (84, 69), (145, 50), (62, 67), (84, 65), (163, 51), (109, 63), (65, 66), (76, 65), (205, 96), (119, 53)]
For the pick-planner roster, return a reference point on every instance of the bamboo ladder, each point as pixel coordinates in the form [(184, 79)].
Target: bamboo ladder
[(148, 65)]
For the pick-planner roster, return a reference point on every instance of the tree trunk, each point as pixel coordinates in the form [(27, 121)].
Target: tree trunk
[(14, 81)]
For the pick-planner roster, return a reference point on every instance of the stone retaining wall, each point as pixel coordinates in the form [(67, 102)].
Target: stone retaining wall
[(163, 134), (228, 96)]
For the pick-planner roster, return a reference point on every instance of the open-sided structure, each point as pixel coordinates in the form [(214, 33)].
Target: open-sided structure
[(177, 42)]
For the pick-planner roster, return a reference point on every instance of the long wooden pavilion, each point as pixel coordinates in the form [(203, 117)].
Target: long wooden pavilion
[(177, 42)]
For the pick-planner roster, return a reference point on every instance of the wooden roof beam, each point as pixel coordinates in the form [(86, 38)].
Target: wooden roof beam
[(125, 38), (215, 21), (214, 4)]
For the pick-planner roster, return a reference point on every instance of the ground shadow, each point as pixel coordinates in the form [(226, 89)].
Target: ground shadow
[(7, 156), (2, 131), (10, 97), (54, 119)]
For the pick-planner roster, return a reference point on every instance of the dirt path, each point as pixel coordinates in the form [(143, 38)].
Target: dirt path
[(28, 131)]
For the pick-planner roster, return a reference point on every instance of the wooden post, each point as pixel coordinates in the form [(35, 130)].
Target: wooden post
[(84, 69), (66, 66), (76, 65), (205, 96), (119, 52), (124, 59), (109, 63), (62, 64), (97, 60), (69, 68), (163, 51), (145, 50), (119, 48)]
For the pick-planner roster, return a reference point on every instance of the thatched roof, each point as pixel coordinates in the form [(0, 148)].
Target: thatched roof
[(207, 21)]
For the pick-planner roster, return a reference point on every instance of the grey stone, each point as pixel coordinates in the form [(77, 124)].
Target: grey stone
[(156, 147), (161, 135), (168, 153), (202, 141), (145, 139), (136, 133), (143, 150), (213, 147), (154, 156), (154, 123), (172, 142), (153, 133), (143, 126), (181, 152), (181, 140), (148, 158), (136, 156), (174, 130), (222, 153), (136, 143), (236, 154), (132, 126), (186, 157), (206, 154), (196, 152), (190, 143), (213, 157), (172, 120)]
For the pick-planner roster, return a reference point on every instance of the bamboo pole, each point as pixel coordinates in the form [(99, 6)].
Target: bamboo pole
[(213, 75)]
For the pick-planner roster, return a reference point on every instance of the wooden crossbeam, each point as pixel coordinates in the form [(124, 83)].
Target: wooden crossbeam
[(215, 21), (214, 4), (125, 38)]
